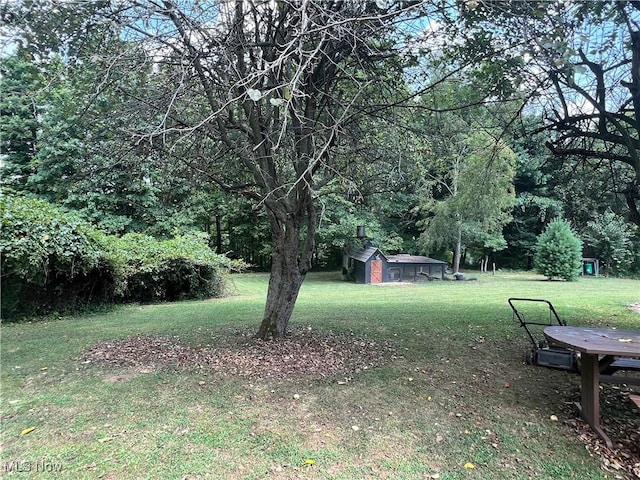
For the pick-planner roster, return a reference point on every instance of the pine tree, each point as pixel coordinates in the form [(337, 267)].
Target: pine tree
[(558, 251)]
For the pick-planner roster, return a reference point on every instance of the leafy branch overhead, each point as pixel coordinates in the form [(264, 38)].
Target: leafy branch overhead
[(578, 66)]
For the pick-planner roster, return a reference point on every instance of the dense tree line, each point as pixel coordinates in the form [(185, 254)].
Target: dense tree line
[(458, 130)]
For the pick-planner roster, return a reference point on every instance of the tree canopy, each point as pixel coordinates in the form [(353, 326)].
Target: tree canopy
[(578, 66), (468, 193), (276, 127)]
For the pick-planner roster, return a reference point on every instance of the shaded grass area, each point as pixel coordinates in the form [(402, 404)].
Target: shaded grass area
[(458, 392)]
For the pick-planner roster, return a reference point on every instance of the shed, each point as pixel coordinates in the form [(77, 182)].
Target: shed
[(590, 266), (368, 265), (411, 268)]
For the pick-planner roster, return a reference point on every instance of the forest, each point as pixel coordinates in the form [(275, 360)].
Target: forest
[(264, 132)]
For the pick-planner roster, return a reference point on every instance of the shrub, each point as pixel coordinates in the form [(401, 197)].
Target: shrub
[(53, 261), (558, 251), (50, 259), (150, 270)]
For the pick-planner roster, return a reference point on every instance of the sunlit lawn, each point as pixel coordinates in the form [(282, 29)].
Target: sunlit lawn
[(458, 393)]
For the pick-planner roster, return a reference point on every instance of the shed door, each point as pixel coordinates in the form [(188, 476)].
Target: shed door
[(376, 271)]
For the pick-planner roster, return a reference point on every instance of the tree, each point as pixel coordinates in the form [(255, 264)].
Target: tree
[(63, 132), (558, 251), (256, 96), (595, 111), (67, 128), (20, 82), (468, 191), (575, 190), (612, 241), (578, 66), (535, 204)]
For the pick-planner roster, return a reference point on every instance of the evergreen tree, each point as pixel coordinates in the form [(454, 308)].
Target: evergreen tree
[(20, 83), (558, 251)]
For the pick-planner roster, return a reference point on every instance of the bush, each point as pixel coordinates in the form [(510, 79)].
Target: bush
[(53, 261), (611, 238), (50, 259), (558, 252), (150, 270)]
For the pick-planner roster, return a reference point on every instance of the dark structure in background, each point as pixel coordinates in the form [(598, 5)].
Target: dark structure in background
[(412, 268), (370, 265), (590, 267), (367, 265)]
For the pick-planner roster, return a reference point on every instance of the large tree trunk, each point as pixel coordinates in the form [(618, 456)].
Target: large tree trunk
[(290, 261), (284, 285)]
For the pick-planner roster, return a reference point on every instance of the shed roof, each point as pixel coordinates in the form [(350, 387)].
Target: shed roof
[(365, 254), (405, 258)]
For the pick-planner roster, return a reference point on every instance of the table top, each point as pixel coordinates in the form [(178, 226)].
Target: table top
[(596, 341)]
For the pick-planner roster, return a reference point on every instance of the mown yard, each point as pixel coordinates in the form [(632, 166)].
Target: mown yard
[(396, 381)]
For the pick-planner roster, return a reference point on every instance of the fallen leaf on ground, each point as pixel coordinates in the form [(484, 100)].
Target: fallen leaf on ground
[(622, 425), (26, 431)]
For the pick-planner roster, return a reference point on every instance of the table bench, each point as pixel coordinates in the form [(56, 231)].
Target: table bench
[(609, 365), (613, 364), (594, 344)]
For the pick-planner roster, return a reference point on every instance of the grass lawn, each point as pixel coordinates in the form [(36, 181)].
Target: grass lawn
[(456, 402)]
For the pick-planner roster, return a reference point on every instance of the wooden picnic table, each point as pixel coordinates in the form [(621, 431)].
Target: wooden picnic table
[(596, 345)]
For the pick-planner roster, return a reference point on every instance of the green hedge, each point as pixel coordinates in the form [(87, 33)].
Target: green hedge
[(53, 261), (151, 270)]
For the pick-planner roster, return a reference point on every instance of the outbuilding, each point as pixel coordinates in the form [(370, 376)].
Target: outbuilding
[(367, 265), (412, 268), (590, 267), (370, 265)]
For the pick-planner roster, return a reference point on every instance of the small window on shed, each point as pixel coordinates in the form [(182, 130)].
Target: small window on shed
[(394, 274)]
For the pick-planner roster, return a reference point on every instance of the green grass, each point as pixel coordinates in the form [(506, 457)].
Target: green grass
[(441, 404)]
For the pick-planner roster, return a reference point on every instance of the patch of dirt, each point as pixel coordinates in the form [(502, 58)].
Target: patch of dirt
[(303, 352), (118, 378), (635, 307)]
